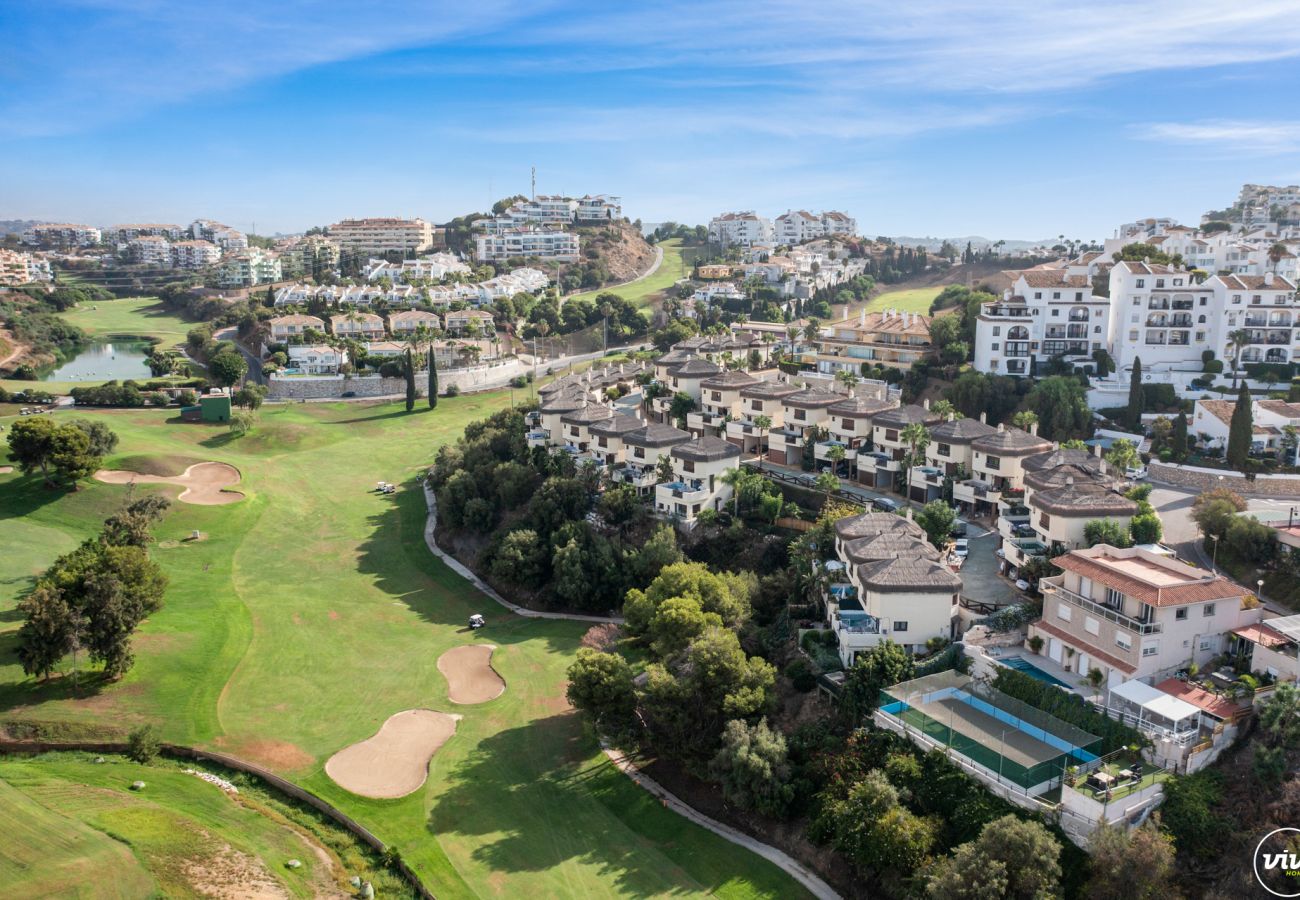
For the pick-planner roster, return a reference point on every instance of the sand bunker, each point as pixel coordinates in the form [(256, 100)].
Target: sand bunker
[(204, 483), (5, 470), (395, 761), (470, 676)]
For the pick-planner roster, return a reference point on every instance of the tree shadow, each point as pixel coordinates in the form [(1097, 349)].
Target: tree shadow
[(25, 495), (219, 440), (534, 800), (395, 414), (32, 691)]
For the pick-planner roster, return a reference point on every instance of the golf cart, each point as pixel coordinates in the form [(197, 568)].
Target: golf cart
[(476, 622)]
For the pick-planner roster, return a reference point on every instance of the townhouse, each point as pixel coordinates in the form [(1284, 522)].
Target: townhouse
[(997, 479), (1134, 614), (358, 326), (316, 359), (950, 448), (62, 236), (432, 268), (1263, 307), (699, 467), (293, 328), (896, 589), (803, 415), (408, 322), (761, 399), (1274, 424), (795, 227), (741, 229), (644, 447), (382, 235), (194, 254), (881, 466), (575, 426), (886, 338), (528, 243), (720, 400), (849, 424), (469, 321), (607, 439)]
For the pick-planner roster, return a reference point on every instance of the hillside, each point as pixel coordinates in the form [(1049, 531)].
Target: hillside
[(620, 247)]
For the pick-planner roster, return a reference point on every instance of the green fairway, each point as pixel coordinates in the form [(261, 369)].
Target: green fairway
[(916, 300), (642, 292), (136, 317), (80, 831), (312, 611)]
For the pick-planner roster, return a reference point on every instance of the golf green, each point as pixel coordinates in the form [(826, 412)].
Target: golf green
[(311, 611)]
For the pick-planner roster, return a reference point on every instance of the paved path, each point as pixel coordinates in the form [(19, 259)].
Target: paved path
[(791, 866), (464, 572), (654, 267)]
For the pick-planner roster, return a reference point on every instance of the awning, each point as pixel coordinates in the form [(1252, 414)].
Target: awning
[(1155, 702)]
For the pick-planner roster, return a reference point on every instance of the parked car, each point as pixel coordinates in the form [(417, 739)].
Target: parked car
[(1137, 473), (1021, 584), (959, 528), (884, 504), (961, 547)]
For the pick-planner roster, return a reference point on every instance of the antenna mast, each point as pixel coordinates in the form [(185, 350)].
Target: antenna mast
[(534, 184)]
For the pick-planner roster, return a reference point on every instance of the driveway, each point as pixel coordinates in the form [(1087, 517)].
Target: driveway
[(980, 580)]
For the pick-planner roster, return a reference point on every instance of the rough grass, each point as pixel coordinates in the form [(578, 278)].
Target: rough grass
[(313, 611), (644, 292), (916, 300), (166, 465), (132, 316)]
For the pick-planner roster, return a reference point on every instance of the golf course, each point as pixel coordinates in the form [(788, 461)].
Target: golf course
[(643, 292), (304, 616)]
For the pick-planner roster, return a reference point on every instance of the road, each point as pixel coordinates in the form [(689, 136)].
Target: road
[(254, 361)]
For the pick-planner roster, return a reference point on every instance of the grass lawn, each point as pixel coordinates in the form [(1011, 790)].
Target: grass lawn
[(642, 293), (312, 611), (916, 300), (135, 316)]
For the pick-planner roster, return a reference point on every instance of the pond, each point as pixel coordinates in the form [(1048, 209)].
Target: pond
[(105, 361)]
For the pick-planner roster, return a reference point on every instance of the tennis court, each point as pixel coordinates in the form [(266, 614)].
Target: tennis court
[(1016, 741)]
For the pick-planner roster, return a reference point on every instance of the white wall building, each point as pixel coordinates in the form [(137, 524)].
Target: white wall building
[(539, 243), (741, 229), (1046, 313), (382, 235), (62, 236)]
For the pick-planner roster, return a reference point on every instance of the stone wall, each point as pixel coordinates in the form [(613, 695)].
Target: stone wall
[(333, 387), (1202, 479)]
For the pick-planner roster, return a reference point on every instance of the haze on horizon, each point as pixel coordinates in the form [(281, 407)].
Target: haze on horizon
[(933, 118)]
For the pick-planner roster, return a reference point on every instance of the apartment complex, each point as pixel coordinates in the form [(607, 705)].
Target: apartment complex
[(382, 235), (427, 268), (1134, 614), (312, 255), (123, 234), (887, 338), (1046, 313), (796, 226), (62, 236), (247, 268), (150, 250), (523, 243), (194, 254), (741, 229), (230, 240), (23, 268)]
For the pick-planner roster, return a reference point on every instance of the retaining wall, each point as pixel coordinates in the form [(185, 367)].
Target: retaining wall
[(1203, 479), (286, 787), (328, 387)]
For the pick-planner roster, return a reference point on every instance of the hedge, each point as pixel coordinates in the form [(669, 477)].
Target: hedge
[(1068, 707)]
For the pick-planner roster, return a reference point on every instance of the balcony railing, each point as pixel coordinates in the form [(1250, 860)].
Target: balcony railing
[(1097, 609)]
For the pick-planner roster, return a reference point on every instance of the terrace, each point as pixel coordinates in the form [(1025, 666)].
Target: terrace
[(1060, 592)]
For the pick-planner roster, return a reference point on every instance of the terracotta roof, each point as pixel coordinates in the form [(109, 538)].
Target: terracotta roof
[(908, 574), (617, 424), (656, 435), (297, 319), (1074, 640), (860, 406), (593, 412), (960, 431), (1214, 704), (1222, 410), (873, 523), (1280, 408), (889, 545), (1141, 268), (1148, 577), (1071, 473), (1011, 442), (359, 318), (1255, 283), (1263, 635), (1056, 278), (1061, 457)]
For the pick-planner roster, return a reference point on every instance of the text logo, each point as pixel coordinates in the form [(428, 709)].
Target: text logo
[(1277, 862)]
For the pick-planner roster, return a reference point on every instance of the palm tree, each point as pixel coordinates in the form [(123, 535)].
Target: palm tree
[(812, 330), (846, 378), (1025, 419), (944, 409), (791, 332), (735, 479), (917, 438), (836, 456), (762, 423), (1237, 340)]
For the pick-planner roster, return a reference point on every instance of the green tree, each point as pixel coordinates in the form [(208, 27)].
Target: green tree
[(724, 594), (520, 559), (408, 369), (883, 665), (227, 367), (660, 550), (1279, 731), (142, 744), (937, 519), (102, 439), (871, 827), (677, 622), (1105, 531), (242, 421), (433, 379), (60, 452), (682, 403), (1025, 419), (1123, 455), (752, 768), (1241, 431), (48, 631), (1137, 865), (1062, 407), (763, 424), (917, 438), (132, 525), (1146, 529), (1136, 400), (1178, 440), (600, 685), (1237, 342), (1018, 856)]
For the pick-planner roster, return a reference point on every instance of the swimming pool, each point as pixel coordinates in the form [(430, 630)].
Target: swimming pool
[(1020, 664)]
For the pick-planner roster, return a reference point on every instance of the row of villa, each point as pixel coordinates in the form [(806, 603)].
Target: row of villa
[(370, 326)]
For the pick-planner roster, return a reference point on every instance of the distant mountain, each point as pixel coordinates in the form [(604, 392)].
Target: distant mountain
[(17, 226), (976, 241)]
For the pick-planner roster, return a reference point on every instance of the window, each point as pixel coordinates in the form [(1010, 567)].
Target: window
[(848, 424), (1056, 295), (1150, 649), (1056, 312), (639, 453), (1141, 282), (1091, 625), (997, 330), (800, 414), (1133, 335), (1063, 612), (1038, 295), (900, 626), (1207, 610), (1123, 641), (1203, 301), (1114, 598), (688, 465), (756, 405), (891, 434), (944, 450), (1206, 644), (573, 430), (1160, 282), (1078, 295), (993, 462), (717, 395), (1180, 614), (995, 345), (1096, 329), (1236, 298), (1200, 320)]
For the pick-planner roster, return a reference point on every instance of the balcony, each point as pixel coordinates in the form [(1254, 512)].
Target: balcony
[(1255, 321), (694, 491), (538, 438), (1279, 337), (1181, 304), (1078, 315), (636, 476), (700, 421), (1006, 312), (1014, 349), (975, 491), (822, 450), (741, 428), (1065, 348), (1096, 609)]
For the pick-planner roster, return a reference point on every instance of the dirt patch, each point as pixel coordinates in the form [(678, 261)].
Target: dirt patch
[(205, 483), (394, 761), (234, 875), (5, 470), (469, 673), (280, 756), (333, 616)]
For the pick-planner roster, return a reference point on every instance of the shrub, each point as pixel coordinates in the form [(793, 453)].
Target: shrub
[(453, 390), (1068, 707), (142, 745), (801, 675)]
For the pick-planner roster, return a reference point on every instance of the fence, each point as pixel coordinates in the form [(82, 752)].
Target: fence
[(285, 787)]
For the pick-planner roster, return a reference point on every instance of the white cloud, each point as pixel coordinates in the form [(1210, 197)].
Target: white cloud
[(1240, 138)]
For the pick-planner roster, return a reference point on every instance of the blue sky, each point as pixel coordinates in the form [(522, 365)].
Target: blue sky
[(1021, 120)]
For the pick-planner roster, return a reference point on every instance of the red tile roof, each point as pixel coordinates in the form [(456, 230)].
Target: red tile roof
[(1215, 705), (1263, 635), (1120, 569)]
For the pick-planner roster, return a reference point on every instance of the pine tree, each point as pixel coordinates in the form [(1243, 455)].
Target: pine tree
[(1178, 443), (1135, 397), (433, 380), (410, 381), (1240, 430)]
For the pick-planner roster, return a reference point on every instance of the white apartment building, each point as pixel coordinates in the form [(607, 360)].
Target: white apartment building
[(698, 469), (741, 229), (1134, 614), (23, 268), (467, 320), (598, 208), (382, 235), (122, 234), (62, 236), (316, 359), (230, 240), (247, 268), (285, 329), (194, 254), (796, 226), (411, 320), (1145, 228), (150, 250), (360, 326), (563, 246), (310, 255), (1046, 313), (433, 268)]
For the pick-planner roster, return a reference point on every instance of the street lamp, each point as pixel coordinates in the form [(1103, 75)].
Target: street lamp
[(1260, 592), (1214, 562)]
